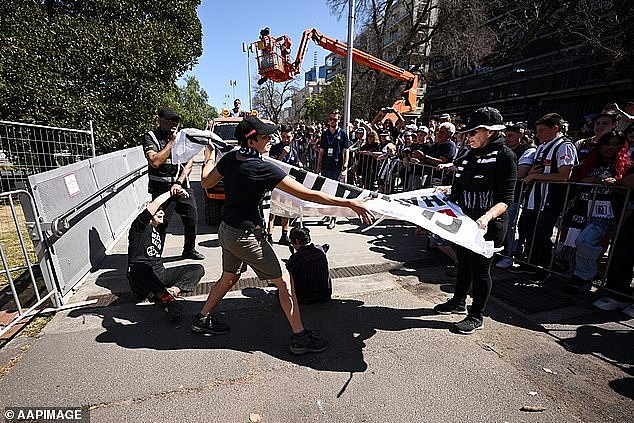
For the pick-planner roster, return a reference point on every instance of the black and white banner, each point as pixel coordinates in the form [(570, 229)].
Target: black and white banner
[(423, 208)]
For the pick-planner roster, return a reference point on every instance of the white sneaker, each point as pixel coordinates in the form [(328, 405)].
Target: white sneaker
[(504, 263), (629, 310), (609, 304)]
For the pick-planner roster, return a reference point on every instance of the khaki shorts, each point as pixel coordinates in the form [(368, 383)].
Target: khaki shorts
[(241, 247)]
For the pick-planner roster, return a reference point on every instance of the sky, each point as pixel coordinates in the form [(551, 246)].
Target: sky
[(227, 24)]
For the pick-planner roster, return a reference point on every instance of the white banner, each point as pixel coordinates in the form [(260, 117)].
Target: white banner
[(423, 208)]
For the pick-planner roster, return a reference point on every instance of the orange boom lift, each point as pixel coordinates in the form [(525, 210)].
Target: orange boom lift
[(274, 63)]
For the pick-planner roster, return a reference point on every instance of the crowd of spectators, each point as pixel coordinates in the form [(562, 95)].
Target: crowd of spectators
[(577, 181)]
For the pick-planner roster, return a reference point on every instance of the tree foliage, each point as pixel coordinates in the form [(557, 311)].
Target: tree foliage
[(191, 102), (270, 98), (66, 62)]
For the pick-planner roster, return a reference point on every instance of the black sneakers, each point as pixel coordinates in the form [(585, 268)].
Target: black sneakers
[(450, 307), (308, 342), (174, 310), (469, 325), (209, 325), (192, 254)]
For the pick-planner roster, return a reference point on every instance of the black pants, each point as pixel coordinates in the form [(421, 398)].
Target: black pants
[(186, 208), (474, 271), (540, 246), (145, 282), (620, 273)]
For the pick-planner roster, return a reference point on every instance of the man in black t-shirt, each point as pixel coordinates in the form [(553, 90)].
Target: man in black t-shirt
[(164, 176), (148, 277)]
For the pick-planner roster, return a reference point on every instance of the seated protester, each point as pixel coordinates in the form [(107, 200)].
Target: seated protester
[(147, 276), (308, 268), (284, 152), (603, 123), (607, 164), (618, 294)]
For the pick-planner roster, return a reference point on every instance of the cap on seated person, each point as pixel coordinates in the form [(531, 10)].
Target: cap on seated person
[(423, 128)]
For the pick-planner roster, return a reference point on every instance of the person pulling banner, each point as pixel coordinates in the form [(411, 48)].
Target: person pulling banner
[(242, 236)]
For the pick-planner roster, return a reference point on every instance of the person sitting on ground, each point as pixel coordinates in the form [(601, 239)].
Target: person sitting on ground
[(148, 277), (308, 269), (607, 164)]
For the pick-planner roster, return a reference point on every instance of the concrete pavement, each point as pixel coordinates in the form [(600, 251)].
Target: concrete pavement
[(391, 357)]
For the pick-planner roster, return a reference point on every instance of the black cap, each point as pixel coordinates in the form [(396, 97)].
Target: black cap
[(168, 113), (485, 117), (252, 125)]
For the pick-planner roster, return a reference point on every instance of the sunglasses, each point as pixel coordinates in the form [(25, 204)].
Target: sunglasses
[(472, 133), (331, 119)]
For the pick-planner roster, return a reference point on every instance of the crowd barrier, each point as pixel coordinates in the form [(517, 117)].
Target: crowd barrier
[(394, 175)]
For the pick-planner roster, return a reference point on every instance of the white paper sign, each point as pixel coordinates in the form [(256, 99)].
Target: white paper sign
[(71, 184)]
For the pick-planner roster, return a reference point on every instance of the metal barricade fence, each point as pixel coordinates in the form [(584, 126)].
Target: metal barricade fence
[(18, 269), (579, 197), (25, 150), (394, 175)]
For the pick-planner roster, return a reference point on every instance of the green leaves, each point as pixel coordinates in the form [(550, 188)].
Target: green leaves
[(111, 61)]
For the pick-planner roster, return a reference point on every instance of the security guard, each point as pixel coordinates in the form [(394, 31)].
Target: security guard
[(164, 176)]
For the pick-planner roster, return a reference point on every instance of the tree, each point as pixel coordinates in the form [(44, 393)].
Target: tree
[(66, 62), (191, 102), (270, 98)]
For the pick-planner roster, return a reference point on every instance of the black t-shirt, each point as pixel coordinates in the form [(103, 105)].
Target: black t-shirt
[(309, 268), (333, 145), (160, 179), (246, 180), (145, 242)]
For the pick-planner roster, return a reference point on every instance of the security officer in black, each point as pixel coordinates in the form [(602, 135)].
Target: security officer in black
[(164, 176)]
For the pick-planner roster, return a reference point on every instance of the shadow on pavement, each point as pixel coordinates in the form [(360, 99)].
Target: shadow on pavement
[(258, 324)]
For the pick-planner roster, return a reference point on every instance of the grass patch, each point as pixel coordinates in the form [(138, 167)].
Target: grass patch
[(10, 241)]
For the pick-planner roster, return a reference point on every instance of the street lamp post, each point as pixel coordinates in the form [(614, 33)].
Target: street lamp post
[(233, 84), (247, 48)]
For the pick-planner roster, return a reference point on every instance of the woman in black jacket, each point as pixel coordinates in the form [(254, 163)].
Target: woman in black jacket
[(483, 188)]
